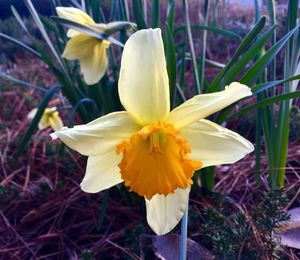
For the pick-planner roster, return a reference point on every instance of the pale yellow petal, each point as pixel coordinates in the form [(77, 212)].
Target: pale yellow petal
[(102, 172), (44, 122), (71, 33), (74, 15), (91, 53), (99, 136), (45, 119), (93, 68), (201, 106), (164, 212), (214, 145), (32, 113), (143, 82), (55, 121)]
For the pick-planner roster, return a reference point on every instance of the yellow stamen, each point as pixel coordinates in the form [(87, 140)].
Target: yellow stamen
[(156, 160)]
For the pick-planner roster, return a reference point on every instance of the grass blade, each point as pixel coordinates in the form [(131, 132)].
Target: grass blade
[(86, 30), (253, 51), (155, 14), (138, 14), (213, 29), (171, 14), (204, 38), (216, 84), (266, 102), (282, 131), (257, 148), (171, 63), (23, 83), (191, 42), (43, 31), (264, 86), (272, 15), (21, 44), (71, 116), (19, 19), (253, 73)]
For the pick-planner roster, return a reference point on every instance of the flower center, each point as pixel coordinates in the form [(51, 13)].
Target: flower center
[(156, 160)]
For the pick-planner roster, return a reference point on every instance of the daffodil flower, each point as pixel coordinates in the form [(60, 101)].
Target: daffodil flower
[(50, 118), (153, 150), (90, 51)]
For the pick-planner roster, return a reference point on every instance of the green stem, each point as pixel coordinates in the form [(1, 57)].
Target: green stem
[(183, 238)]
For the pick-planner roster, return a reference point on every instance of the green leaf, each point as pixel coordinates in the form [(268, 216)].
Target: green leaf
[(171, 14), (213, 29), (264, 86), (266, 102), (155, 14), (212, 63), (45, 35), (282, 131), (216, 84), (272, 14), (191, 42), (64, 76), (102, 210), (19, 19), (253, 73), (253, 51), (113, 10), (251, 36), (171, 63), (21, 44), (138, 14), (72, 115), (23, 83), (123, 9), (38, 47), (180, 86), (255, 90), (86, 30), (258, 150), (203, 51), (95, 10)]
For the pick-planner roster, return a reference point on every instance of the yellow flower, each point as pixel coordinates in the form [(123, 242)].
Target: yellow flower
[(155, 151), (90, 51), (50, 118)]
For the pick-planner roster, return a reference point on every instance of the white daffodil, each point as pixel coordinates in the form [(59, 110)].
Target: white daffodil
[(90, 51), (153, 150), (50, 118)]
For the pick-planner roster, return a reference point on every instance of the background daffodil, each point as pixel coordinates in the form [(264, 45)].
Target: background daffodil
[(50, 118), (155, 151), (90, 51)]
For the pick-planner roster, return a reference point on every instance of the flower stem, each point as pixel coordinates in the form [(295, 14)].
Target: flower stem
[(183, 238)]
